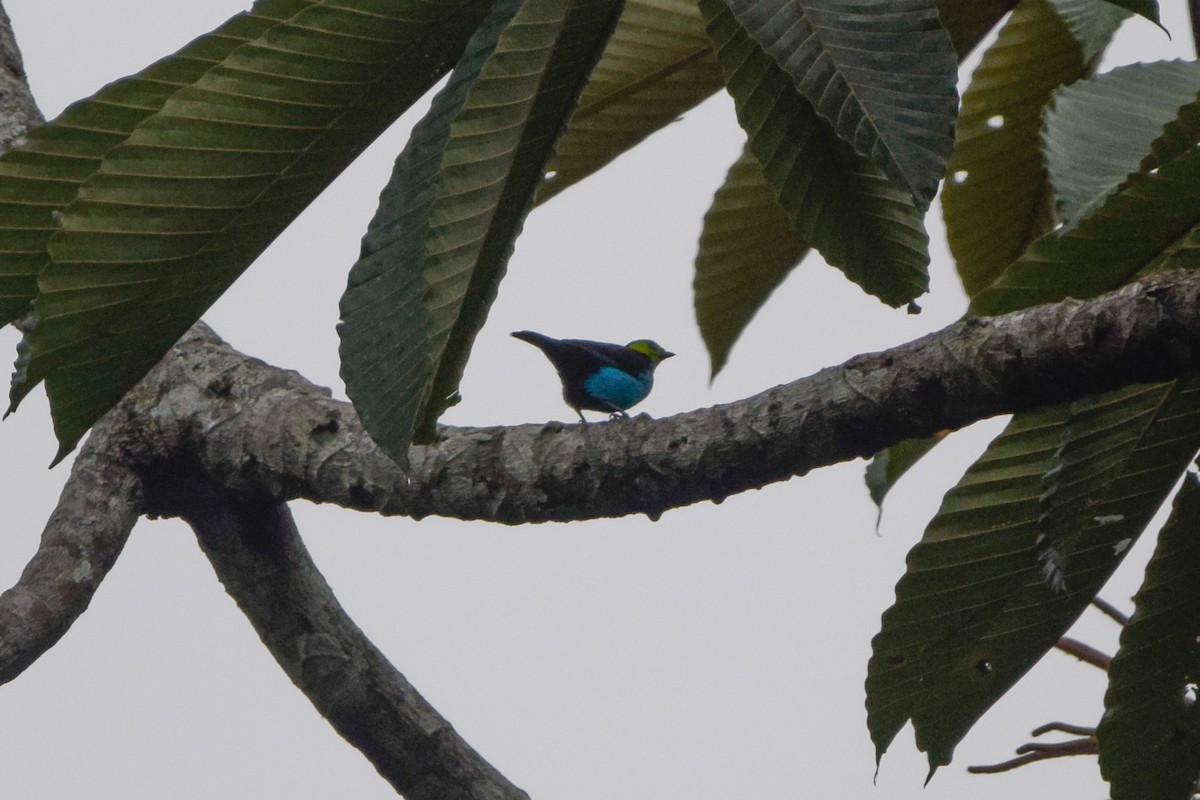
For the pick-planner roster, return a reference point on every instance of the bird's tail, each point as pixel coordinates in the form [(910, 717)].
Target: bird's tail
[(541, 341)]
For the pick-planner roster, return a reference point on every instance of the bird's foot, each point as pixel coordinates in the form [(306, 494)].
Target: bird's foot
[(618, 415)]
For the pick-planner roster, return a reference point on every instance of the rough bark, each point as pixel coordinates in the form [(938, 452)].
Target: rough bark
[(258, 555), (18, 111), (252, 436), (96, 511), (260, 430), (223, 440)]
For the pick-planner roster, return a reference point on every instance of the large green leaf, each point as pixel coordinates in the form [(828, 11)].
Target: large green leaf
[(1150, 733), (199, 188), (388, 363), (968, 21), (439, 244), (1145, 8), (748, 246), (1092, 23), (883, 73), (1142, 224), (1178, 136), (657, 64), (996, 201), (839, 201), (42, 176), (974, 611), (749, 242), (1099, 131), (1096, 441)]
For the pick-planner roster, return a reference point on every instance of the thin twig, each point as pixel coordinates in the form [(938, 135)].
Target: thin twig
[(1064, 727), (82, 539), (1108, 608), (1084, 652), (1040, 752)]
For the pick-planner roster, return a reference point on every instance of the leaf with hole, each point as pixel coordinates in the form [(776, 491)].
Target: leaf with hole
[(1102, 132), (974, 611), (1149, 735), (1148, 222), (996, 199)]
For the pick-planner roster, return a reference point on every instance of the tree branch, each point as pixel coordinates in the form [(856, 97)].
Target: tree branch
[(208, 416), (257, 429), (96, 511), (18, 111), (1112, 612), (1084, 652), (102, 497), (257, 553)]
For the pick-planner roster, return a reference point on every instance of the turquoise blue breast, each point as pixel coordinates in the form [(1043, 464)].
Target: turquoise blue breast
[(615, 386)]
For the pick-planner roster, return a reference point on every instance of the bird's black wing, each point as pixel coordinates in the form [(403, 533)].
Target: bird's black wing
[(600, 354), (576, 359)]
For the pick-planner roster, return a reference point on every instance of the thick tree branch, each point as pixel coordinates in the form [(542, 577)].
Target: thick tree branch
[(222, 440), (210, 417), (102, 498), (257, 429), (18, 111), (257, 553), (85, 534)]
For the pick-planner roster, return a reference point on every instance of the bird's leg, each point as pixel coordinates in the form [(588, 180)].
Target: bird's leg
[(582, 418)]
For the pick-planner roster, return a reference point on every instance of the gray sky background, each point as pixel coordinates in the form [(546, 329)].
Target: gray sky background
[(719, 652)]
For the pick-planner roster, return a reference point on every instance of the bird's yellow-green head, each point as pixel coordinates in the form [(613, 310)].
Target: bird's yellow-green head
[(652, 350)]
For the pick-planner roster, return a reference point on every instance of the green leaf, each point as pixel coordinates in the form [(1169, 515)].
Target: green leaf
[(1096, 441), (440, 241), (657, 64), (890, 464), (1178, 136), (839, 201), (199, 188), (747, 248), (968, 21), (1150, 733), (883, 73), (1099, 131), (1141, 225), (42, 176), (974, 612), (1092, 23), (749, 243), (1144, 8), (996, 201)]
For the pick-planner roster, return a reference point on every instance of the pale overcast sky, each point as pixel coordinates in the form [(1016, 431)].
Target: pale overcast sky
[(717, 653)]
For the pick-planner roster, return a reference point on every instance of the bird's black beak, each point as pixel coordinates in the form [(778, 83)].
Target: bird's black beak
[(666, 354)]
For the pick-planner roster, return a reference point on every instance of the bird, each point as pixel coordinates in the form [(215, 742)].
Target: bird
[(601, 376)]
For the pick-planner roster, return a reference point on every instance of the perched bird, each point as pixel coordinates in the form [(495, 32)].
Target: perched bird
[(600, 376)]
